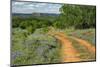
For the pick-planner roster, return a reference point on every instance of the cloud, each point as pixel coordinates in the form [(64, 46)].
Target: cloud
[(30, 7)]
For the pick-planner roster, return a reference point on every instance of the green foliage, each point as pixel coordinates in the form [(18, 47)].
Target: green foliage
[(59, 24), (31, 44), (32, 23), (78, 16), (86, 34), (36, 48)]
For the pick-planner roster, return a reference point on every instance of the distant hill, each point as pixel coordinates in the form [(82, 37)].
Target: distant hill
[(34, 14)]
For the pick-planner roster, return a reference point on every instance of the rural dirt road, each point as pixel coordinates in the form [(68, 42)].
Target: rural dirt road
[(68, 52), (86, 44)]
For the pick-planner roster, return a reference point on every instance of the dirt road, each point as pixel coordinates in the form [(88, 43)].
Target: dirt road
[(86, 44), (68, 52)]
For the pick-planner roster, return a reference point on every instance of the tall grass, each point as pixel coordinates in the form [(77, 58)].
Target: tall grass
[(36, 48)]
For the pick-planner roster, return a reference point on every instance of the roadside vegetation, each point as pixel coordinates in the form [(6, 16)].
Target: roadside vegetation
[(31, 43)]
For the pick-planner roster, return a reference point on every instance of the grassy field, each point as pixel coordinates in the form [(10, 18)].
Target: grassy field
[(41, 48), (86, 34), (66, 34), (37, 48)]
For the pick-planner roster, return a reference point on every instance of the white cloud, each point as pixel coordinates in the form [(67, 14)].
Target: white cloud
[(19, 3), (29, 7)]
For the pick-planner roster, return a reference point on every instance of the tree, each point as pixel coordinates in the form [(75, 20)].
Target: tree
[(78, 16)]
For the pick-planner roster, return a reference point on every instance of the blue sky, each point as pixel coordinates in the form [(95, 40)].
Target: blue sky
[(31, 7)]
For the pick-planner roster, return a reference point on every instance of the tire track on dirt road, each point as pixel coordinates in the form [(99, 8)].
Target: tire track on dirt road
[(68, 52), (86, 44)]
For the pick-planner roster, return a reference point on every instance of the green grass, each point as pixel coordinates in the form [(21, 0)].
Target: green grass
[(40, 48), (86, 34), (36, 48)]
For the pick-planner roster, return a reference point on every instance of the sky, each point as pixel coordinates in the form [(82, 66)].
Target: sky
[(32, 7)]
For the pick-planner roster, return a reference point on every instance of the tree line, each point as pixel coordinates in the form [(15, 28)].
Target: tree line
[(76, 16)]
